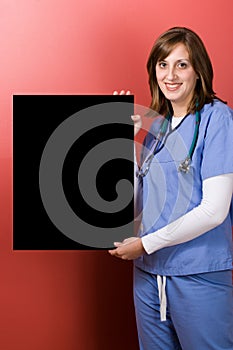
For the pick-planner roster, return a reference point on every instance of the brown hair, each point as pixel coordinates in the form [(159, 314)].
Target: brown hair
[(200, 62)]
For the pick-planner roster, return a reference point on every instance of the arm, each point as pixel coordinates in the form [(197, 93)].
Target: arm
[(212, 211)]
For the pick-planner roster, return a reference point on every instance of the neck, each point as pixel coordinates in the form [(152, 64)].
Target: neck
[(179, 111)]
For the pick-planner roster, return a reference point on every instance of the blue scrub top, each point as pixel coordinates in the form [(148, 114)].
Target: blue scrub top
[(169, 194)]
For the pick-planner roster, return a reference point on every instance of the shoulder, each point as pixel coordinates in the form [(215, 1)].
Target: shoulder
[(153, 130), (217, 110), (156, 122), (154, 127), (217, 115)]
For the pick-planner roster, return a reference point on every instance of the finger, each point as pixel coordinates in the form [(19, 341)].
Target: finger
[(130, 240), (117, 244), (112, 252), (136, 117), (127, 240), (124, 257)]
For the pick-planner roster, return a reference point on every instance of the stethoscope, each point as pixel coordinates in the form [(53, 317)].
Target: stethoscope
[(185, 164)]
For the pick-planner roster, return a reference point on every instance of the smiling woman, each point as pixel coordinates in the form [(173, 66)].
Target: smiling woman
[(183, 252)]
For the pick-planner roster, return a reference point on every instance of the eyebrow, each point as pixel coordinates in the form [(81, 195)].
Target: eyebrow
[(179, 60)]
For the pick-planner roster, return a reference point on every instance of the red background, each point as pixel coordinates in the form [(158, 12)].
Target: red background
[(75, 299)]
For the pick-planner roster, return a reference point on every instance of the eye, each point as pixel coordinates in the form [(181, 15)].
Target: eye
[(162, 64), (182, 65)]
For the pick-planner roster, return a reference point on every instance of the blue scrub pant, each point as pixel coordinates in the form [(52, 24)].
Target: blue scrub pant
[(199, 312)]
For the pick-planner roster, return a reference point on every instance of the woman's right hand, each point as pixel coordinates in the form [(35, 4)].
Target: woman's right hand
[(135, 118), (137, 123)]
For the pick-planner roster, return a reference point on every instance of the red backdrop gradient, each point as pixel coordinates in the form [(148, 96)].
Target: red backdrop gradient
[(74, 299)]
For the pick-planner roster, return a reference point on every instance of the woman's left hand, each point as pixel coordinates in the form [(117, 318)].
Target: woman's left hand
[(131, 248)]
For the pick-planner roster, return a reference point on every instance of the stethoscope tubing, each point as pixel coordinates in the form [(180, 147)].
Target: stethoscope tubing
[(185, 164)]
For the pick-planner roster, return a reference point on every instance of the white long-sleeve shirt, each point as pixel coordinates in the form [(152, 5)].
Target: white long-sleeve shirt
[(211, 212)]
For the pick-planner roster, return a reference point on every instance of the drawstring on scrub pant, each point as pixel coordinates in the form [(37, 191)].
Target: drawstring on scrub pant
[(161, 281)]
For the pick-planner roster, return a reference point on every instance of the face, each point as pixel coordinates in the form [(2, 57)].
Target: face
[(176, 77)]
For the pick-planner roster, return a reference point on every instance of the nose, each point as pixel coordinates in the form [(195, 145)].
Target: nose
[(171, 73)]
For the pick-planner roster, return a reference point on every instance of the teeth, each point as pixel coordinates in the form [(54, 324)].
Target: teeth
[(172, 85)]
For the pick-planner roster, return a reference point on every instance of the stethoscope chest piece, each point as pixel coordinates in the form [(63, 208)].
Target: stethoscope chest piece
[(184, 166)]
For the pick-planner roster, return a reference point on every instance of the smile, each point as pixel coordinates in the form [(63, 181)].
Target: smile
[(173, 86)]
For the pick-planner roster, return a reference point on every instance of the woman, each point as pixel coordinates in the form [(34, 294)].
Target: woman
[(183, 253)]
